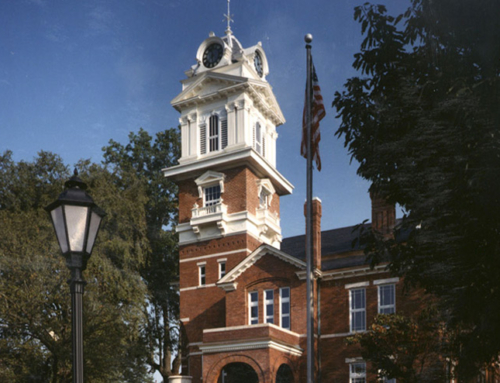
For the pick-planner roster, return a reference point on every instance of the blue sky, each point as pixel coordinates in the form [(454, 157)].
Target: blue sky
[(75, 74)]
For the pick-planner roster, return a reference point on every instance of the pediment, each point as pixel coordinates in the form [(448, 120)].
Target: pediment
[(208, 83), (229, 281), (210, 86)]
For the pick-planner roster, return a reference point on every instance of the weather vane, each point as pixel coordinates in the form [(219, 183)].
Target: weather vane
[(228, 18)]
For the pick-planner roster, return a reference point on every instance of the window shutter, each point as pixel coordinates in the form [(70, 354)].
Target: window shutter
[(203, 139), (223, 124), (254, 129), (263, 145)]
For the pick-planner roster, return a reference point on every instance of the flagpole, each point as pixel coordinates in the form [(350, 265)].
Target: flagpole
[(309, 243)]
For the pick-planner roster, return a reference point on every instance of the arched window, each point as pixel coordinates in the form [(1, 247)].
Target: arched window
[(284, 374), (214, 136), (238, 373)]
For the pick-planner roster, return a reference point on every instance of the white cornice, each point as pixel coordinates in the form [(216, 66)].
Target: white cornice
[(251, 345), (246, 155), (260, 91), (302, 275), (340, 274), (251, 326)]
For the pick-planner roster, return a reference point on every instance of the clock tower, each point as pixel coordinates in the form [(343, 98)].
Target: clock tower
[(229, 187)]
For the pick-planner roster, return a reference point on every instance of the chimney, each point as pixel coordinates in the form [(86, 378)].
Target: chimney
[(316, 231), (383, 215)]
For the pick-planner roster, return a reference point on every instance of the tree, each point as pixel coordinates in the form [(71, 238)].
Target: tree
[(410, 350), (35, 316), (422, 120), (142, 159)]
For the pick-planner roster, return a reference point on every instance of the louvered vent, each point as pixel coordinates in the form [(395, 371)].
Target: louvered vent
[(223, 124), (203, 139)]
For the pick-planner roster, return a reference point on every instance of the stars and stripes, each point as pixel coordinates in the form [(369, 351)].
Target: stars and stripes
[(317, 114)]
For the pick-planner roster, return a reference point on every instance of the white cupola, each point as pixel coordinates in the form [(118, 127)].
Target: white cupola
[(228, 110)]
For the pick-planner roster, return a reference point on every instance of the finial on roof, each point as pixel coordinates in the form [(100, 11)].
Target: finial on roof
[(228, 18)]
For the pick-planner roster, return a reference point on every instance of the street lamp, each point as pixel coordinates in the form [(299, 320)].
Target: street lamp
[(76, 219)]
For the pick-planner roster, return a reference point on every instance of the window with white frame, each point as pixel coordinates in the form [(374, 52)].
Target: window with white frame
[(201, 275), (211, 195), (253, 312), (266, 190), (222, 268), (357, 309), (264, 198), (213, 137), (285, 307), (269, 306), (357, 373), (386, 299)]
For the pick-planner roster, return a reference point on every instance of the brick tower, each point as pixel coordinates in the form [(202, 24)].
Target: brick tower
[(229, 188)]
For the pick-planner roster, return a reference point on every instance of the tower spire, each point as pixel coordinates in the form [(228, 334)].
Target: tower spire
[(229, 20)]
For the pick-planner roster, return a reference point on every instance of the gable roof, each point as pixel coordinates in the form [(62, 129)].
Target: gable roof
[(228, 282)]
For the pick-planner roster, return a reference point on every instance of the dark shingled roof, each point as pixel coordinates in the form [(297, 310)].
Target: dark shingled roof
[(335, 241)]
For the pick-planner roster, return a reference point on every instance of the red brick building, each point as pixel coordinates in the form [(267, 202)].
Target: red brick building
[(242, 286)]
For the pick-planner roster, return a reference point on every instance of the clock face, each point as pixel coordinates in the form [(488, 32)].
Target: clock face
[(212, 55), (257, 62)]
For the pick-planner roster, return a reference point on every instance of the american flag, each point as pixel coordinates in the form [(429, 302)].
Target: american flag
[(317, 114)]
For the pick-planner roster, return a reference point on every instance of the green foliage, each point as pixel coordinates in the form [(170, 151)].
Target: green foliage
[(141, 161), (423, 123), (35, 316), (411, 350)]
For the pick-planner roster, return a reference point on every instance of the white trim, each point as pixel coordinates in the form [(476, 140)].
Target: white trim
[(255, 256), (194, 344), (197, 287), (195, 353), (332, 275), (251, 345), (245, 327), (244, 155), (357, 359), (214, 255), (231, 286), (201, 263), (338, 335), (183, 320), (356, 285), (222, 260), (386, 281)]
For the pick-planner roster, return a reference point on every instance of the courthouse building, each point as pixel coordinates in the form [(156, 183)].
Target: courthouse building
[(243, 286)]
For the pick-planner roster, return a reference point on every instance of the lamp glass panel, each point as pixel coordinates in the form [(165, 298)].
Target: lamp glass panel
[(76, 221), (95, 220), (58, 221)]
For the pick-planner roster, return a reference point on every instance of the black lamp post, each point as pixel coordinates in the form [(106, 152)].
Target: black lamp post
[(76, 219)]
